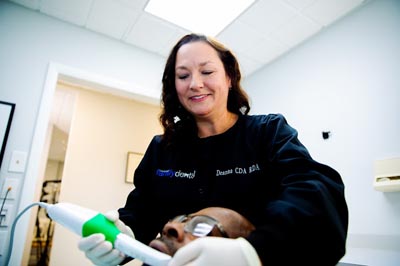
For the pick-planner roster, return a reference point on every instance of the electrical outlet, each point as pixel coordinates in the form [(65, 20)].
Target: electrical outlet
[(5, 215), (9, 183), (17, 162)]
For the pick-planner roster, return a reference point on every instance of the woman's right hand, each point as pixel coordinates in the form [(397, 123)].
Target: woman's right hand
[(100, 251)]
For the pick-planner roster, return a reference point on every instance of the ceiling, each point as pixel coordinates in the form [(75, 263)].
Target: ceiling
[(262, 33)]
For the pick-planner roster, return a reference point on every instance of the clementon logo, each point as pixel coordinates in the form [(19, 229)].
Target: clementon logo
[(179, 173)]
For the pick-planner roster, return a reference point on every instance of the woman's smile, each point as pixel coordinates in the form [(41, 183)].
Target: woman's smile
[(199, 98)]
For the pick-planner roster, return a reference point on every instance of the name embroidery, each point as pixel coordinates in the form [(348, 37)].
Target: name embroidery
[(239, 170)]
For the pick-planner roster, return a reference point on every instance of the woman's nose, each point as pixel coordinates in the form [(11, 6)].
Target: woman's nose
[(196, 82)]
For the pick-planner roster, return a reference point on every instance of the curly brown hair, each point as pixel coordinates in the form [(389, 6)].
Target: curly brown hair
[(238, 101)]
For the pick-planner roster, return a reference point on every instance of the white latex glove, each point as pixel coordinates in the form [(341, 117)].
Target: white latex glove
[(216, 251), (113, 216), (100, 251)]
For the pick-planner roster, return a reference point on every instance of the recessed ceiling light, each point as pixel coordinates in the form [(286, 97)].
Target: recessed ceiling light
[(208, 17)]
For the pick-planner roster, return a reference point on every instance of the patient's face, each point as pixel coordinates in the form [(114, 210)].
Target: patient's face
[(213, 221)]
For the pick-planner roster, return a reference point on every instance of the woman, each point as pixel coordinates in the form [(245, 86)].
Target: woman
[(212, 153)]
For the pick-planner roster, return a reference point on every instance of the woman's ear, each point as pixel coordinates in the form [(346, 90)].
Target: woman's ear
[(229, 81)]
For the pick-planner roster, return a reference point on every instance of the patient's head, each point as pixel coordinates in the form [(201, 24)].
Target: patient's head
[(213, 221)]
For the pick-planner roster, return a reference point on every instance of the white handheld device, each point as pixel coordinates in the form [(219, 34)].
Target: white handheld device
[(85, 222)]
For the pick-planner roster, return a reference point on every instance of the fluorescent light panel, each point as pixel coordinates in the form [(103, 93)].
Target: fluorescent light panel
[(208, 17)]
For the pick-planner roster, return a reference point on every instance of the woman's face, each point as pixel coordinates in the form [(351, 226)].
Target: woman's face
[(201, 81)]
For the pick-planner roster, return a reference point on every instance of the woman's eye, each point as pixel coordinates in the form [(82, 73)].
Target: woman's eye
[(183, 76), (207, 72)]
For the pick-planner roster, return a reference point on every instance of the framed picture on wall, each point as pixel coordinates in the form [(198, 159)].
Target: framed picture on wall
[(6, 115), (132, 163)]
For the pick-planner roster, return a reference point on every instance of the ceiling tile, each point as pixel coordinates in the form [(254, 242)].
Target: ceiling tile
[(135, 4), (328, 11), (300, 4), (112, 18), (73, 11), (151, 33), (239, 37), (265, 16)]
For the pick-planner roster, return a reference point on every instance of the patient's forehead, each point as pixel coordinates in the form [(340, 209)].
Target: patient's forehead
[(219, 213), (233, 223)]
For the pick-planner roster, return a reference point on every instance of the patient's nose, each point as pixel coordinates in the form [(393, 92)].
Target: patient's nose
[(174, 230)]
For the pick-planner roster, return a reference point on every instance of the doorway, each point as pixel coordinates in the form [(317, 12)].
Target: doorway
[(84, 183), (57, 137)]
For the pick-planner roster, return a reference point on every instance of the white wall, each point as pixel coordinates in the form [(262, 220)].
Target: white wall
[(347, 81)]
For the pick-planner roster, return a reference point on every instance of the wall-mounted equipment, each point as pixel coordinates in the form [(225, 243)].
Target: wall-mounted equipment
[(326, 134), (387, 175)]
